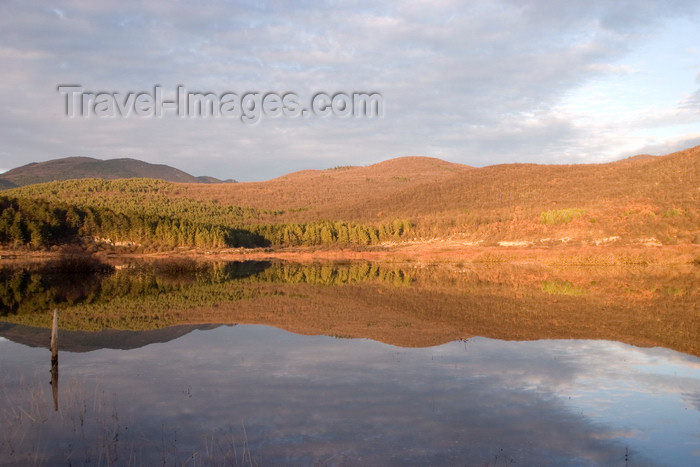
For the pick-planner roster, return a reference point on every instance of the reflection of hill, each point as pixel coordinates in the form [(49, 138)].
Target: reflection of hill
[(84, 341), (406, 305), (637, 306)]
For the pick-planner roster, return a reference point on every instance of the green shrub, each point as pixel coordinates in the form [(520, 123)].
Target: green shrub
[(557, 287), (561, 216), (672, 212)]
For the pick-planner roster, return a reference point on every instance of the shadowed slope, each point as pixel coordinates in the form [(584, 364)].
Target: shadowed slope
[(87, 167)]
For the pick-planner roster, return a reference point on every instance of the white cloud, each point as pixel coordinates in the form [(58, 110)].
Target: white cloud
[(481, 83), (692, 102)]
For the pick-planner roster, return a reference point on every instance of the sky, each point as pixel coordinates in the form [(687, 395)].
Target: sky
[(473, 82)]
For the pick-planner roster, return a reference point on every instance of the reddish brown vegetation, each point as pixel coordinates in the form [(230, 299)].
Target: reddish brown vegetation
[(640, 200)]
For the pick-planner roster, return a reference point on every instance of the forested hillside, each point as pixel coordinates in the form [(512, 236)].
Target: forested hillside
[(137, 220), (652, 201)]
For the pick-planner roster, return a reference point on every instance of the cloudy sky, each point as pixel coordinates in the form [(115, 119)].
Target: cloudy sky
[(475, 82)]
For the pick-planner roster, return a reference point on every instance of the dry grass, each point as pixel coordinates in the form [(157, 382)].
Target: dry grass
[(644, 200), (302, 193), (630, 198)]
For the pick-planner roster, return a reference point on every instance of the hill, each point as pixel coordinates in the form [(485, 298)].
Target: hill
[(88, 167), (308, 190), (6, 184), (644, 196), (646, 201)]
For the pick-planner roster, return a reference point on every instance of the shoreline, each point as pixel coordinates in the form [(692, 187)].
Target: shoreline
[(443, 252)]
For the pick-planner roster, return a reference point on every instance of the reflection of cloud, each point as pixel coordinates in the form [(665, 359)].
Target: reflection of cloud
[(303, 399), (693, 400)]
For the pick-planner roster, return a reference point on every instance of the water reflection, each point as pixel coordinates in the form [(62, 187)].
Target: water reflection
[(54, 358), (35, 288), (409, 305), (54, 383), (259, 394)]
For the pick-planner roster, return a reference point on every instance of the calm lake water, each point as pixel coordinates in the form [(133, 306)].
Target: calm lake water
[(252, 394)]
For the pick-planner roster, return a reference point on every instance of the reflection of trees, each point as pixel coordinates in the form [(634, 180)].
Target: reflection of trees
[(145, 295), (22, 292), (412, 305), (332, 274), (176, 282)]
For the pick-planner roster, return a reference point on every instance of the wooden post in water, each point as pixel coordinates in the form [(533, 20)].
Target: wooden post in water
[(54, 359), (54, 339)]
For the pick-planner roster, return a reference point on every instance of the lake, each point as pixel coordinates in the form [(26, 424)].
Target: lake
[(273, 363)]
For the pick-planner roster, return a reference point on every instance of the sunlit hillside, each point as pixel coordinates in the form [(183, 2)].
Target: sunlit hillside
[(312, 190), (651, 201), (634, 199)]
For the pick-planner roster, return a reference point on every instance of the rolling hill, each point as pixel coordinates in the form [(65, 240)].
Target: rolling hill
[(643, 199), (88, 167), (310, 189), (646, 201), (647, 196)]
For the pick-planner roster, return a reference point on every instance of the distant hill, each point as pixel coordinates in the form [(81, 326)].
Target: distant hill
[(87, 167), (5, 184)]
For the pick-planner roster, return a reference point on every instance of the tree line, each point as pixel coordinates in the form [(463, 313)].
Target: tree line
[(38, 223)]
